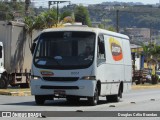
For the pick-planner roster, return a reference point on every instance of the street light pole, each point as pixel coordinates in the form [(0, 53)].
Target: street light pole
[(56, 2), (57, 13)]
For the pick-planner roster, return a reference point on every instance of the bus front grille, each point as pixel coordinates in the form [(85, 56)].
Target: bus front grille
[(61, 78), (59, 87)]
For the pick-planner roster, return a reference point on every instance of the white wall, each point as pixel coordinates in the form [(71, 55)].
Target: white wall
[(137, 64)]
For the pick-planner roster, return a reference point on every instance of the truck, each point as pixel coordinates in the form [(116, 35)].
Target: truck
[(76, 62), (15, 55), (142, 76)]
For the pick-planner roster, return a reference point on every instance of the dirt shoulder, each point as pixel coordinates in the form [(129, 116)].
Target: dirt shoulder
[(145, 86), (15, 92)]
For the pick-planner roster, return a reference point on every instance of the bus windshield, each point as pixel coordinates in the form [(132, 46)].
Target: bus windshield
[(65, 50)]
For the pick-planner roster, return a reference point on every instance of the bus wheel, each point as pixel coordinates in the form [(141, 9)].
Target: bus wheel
[(114, 98), (72, 99), (94, 100), (39, 99), (120, 94)]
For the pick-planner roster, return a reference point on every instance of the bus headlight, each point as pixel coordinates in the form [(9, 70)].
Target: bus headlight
[(35, 77), (88, 78)]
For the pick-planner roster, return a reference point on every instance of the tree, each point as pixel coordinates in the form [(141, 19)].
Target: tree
[(46, 19), (101, 26), (11, 10), (147, 52), (151, 53), (49, 18), (82, 15), (29, 27), (65, 14), (111, 28), (67, 17)]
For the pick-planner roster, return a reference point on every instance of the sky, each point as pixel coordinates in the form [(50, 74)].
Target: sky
[(86, 2), (100, 1)]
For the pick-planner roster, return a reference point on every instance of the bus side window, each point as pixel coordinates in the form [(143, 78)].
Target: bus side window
[(0, 51), (101, 49)]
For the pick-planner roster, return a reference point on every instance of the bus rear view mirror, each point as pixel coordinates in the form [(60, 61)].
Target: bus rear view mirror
[(33, 47), (0, 51)]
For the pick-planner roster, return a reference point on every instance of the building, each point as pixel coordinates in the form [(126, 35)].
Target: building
[(139, 34), (137, 57), (143, 35)]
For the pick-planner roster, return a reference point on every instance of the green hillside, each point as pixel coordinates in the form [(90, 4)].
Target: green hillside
[(136, 16)]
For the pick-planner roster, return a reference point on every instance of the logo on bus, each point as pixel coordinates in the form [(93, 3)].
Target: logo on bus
[(47, 73), (116, 49)]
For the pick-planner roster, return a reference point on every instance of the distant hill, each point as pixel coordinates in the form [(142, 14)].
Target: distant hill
[(145, 16), (130, 14)]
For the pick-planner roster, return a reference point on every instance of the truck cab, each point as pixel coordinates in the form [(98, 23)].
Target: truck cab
[(3, 78)]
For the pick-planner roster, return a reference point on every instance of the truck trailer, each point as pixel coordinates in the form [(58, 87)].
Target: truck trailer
[(15, 59)]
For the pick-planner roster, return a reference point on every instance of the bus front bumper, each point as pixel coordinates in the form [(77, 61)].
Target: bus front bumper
[(76, 88)]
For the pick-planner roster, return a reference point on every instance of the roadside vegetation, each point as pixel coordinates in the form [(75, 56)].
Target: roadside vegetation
[(151, 53)]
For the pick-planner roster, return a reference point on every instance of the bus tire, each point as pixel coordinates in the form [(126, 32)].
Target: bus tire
[(94, 100), (120, 93), (73, 99), (114, 98), (39, 99)]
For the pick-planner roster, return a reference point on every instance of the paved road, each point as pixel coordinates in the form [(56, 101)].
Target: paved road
[(135, 100)]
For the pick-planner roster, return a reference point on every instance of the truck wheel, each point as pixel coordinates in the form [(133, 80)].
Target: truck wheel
[(13, 85), (137, 82), (3, 82), (27, 85), (24, 85), (94, 100), (39, 99)]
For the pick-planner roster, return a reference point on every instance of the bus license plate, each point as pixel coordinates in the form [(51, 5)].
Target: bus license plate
[(59, 92)]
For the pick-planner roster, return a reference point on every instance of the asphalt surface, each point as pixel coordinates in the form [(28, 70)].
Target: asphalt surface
[(135, 100)]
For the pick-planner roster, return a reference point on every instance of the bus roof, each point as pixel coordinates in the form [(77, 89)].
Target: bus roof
[(87, 29)]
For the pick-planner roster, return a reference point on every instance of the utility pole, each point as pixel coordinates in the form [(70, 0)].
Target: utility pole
[(117, 20), (27, 3), (56, 2), (118, 17)]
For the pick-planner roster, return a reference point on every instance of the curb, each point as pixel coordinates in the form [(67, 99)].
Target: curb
[(24, 93)]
